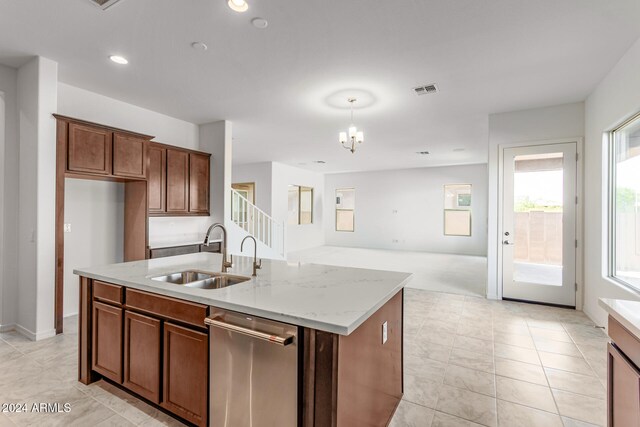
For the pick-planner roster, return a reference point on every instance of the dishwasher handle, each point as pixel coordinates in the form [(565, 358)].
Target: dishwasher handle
[(274, 339)]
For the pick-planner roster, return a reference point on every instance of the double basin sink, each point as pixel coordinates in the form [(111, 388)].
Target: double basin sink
[(201, 279)]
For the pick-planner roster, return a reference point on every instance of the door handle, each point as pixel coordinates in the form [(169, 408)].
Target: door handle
[(275, 339), (506, 242)]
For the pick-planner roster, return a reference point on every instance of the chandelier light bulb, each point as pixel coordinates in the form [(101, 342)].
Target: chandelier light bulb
[(360, 136), (343, 137), (352, 131)]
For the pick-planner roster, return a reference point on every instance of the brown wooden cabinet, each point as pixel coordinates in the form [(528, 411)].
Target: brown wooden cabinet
[(142, 341), (623, 390), (186, 357), (157, 178), (107, 341), (177, 181), (198, 183), (129, 156), (89, 149)]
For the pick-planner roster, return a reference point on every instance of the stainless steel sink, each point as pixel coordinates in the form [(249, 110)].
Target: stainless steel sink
[(202, 280)]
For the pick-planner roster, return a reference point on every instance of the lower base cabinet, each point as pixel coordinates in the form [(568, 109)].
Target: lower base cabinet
[(185, 388), (623, 389), (107, 341), (142, 341)]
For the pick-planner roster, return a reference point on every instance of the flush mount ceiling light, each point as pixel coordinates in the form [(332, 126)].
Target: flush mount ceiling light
[(238, 5), (119, 59), (260, 23), (353, 135), (200, 46), (422, 153)]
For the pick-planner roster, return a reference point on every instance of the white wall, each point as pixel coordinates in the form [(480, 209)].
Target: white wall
[(95, 210), (615, 99), (86, 105), (260, 175), (9, 190), (304, 236), (540, 124), (407, 206), (37, 99)]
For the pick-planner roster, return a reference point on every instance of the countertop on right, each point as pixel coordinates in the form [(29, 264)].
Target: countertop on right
[(624, 311)]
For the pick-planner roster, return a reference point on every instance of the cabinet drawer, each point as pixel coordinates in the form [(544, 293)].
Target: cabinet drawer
[(624, 340), (107, 292), (168, 308), (174, 250)]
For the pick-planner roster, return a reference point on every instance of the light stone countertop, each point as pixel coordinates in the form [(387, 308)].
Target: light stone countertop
[(624, 311), (327, 298)]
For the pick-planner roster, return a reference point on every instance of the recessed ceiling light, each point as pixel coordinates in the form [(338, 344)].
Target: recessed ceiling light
[(199, 46), (458, 149), (119, 59), (260, 23), (238, 5), (422, 153)]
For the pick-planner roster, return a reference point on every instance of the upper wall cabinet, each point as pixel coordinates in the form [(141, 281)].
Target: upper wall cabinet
[(129, 156), (89, 149), (101, 151), (178, 181)]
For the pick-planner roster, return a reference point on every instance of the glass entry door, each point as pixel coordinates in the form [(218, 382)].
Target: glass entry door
[(539, 224)]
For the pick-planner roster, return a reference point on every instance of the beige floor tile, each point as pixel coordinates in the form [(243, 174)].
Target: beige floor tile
[(428, 369), (582, 408), (551, 346), (163, 420), (520, 371), (475, 330), (520, 354), (428, 350), (513, 339), (511, 328), (421, 391), (576, 383), (570, 422), (121, 402), (514, 415), (566, 363), (550, 334), (86, 412), (473, 344), (465, 404), (411, 415), (472, 360), (115, 421), (545, 324), (437, 337), (5, 421), (524, 393), (472, 380), (441, 419)]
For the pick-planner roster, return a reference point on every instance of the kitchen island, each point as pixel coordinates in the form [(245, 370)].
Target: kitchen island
[(343, 327)]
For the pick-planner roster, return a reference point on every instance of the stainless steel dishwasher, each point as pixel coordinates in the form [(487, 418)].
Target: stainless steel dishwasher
[(253, 371)]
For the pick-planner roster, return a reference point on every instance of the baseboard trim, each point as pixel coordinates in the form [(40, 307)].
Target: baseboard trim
[(35, 336), (8, 327)]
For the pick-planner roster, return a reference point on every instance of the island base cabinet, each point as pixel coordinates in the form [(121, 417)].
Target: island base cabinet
[(623, 391), (142, 341), (185, 377), (107, 341)]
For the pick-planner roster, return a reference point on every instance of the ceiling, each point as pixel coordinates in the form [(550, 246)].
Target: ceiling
[(282, 87)]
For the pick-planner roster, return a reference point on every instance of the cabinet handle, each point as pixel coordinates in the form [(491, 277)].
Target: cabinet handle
[(274, 339)]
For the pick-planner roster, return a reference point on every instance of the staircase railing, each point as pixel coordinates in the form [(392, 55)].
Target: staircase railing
[(257, 222)]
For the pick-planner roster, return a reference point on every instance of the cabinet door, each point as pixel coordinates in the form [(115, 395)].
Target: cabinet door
[(624, 391), (198, 183), (186, 373), (107, 341), (177, 181), (129, 156), (142, 355), (157, 179), (89, 150)]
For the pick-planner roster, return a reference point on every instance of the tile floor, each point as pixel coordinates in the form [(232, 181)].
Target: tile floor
[(468, 362)]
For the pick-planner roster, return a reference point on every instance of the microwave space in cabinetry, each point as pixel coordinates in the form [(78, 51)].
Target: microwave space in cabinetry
[(154, 346), (178, 181)]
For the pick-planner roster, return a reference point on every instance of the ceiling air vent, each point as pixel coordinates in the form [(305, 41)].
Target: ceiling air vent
[(104, 4), (422, 153), (425, 90)]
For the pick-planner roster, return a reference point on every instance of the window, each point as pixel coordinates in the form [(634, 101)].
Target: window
[(624, 218), (300, 202), (457, 210), (345, 206)]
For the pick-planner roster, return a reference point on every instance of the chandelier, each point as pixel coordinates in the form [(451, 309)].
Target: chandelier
[(353, 135)]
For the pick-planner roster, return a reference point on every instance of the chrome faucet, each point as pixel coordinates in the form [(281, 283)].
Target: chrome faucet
[(225, 264), (256, 265)]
